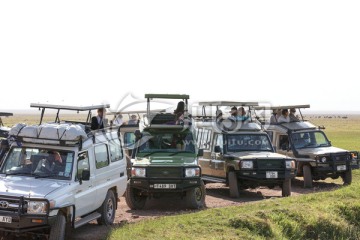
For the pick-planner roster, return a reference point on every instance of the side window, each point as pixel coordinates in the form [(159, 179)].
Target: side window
[(219, 142), (283, 142), (115, 150), (129, 139), (101, 156), (83, 163), (205, 139)]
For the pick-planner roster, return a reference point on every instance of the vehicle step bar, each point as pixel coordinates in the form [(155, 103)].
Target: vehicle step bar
[(87, 219), (212, 179)]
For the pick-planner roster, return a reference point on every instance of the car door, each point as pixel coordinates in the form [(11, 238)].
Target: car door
[(103, 175), (204, 161), (85, 191), (217, 161)]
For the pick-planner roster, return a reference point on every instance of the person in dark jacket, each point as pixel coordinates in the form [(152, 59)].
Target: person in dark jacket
[(99, 121)]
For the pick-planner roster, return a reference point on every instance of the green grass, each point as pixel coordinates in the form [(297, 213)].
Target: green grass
[(327, 215)]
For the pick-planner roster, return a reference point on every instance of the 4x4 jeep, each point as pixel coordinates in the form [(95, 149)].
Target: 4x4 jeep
[(239, 153), (317, 159), (59, 176), (166, 161)]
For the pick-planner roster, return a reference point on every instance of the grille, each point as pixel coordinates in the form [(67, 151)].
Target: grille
[(11, 204), (270, 164), (164, 172)]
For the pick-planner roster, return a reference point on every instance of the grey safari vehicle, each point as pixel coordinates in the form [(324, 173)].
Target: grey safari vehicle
[(238, 152), (59, 176), (316, 157)]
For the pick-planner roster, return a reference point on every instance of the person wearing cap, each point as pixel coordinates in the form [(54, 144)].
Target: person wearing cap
[(292, 116), (118, 121), (284, 118)]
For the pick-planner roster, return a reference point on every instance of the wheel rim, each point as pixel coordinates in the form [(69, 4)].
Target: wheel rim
[(110, 209), (198, 194)]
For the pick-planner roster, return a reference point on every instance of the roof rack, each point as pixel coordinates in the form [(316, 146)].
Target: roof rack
[(168, 96), (42, 107)]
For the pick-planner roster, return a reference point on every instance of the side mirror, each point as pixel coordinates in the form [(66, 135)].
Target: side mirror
[(200, 152), (217, 149), (85, 175)]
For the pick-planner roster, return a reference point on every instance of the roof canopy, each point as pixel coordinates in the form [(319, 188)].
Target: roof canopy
[(168, 96), (228, 103), (74, 108), (5, 114), (282, 107)]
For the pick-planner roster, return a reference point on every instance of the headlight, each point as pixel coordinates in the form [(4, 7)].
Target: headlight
[(138, 172), (36, 207), (290, 164), (247, 164), (192, 172)]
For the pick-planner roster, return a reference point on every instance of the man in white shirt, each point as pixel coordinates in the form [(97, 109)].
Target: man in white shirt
[(284, 116)]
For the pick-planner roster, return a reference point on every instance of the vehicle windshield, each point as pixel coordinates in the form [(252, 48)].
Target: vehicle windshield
[(248, 142), (166, 142), (311, 139), (38, 162)]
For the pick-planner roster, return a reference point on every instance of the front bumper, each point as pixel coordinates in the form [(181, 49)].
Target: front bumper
[(21, 223), (149, 184)]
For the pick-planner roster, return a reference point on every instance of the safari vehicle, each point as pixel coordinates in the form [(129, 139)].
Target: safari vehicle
[(166, 160), (239, 153), (317, 159), (59, 176), (4, 130)]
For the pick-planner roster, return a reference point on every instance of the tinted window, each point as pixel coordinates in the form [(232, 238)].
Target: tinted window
[(101, 156), (248, 142)]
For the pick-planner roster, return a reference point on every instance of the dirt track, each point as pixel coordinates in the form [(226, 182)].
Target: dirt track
[(217, 196)]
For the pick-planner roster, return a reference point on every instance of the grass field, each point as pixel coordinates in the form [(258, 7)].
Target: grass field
[(327, 215)]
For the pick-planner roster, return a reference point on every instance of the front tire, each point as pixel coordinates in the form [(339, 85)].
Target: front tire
[(347, 177), (233, 185), (107, 210), (286, 188), (195, 197), (57, 231), (308, 181), (133, 199)]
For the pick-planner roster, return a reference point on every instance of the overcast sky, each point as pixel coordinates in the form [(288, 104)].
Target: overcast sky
[(91, 52)]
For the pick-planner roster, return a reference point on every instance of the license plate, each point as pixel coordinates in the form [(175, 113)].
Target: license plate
[(5, 219), (165, 186), (271, 174), (341, 167)]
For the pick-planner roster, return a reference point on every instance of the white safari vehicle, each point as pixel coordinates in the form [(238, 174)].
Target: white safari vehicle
[(59, 176)]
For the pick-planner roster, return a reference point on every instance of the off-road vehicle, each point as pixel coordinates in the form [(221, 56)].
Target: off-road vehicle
[(238, 152), (58, 176), (166, 160), (317, 159)]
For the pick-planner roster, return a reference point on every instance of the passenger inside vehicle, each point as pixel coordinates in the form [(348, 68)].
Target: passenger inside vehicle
[(284, 118), (241, 114)]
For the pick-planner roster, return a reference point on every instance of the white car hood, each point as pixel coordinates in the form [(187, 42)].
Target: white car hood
[(28, 186)]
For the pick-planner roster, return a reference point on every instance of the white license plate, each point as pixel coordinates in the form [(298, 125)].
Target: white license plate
[(5, 219), (165, 186), (341, 167), (271, 174)]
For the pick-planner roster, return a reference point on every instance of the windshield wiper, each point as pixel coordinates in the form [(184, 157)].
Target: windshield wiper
[(43, 175), (180, 152), (17, 173)]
